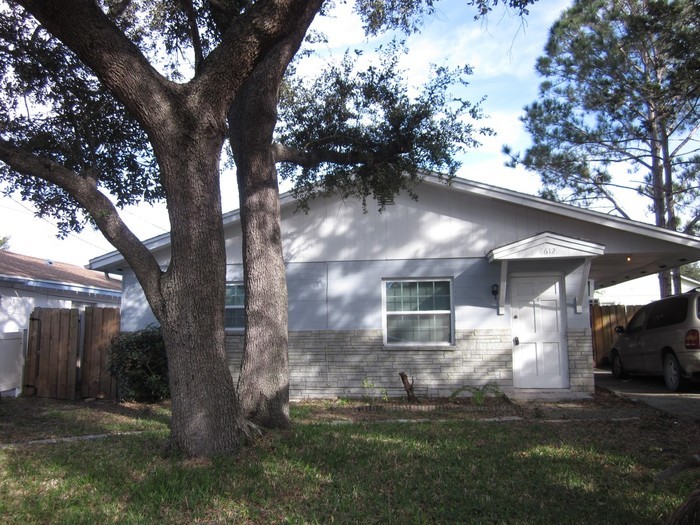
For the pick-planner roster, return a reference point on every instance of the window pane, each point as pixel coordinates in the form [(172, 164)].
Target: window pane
[(234, 318), (442, 295), (235, 295), (442, 302), (426, 301), (410, 297), (393, 296), (419, 328)]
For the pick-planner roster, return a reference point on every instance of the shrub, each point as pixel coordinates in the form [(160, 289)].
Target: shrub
[(137, 360)]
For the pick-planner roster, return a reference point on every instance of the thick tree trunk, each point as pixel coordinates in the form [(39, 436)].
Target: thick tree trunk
[(264, 379), (189, 302), (263, 384)]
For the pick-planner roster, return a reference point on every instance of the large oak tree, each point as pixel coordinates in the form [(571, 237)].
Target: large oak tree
[(96, 114)]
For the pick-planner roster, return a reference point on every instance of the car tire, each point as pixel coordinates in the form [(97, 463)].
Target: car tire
[(618, 371), (672, 373)]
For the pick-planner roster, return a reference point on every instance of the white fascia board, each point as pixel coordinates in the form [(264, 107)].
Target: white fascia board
[(567, 210), (546, 245), (57, 285)]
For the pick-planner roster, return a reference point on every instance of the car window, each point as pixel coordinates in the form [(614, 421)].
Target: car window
[(637, 322), (668, 312)]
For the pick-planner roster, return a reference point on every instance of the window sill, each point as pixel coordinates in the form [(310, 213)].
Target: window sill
[(419, 346)]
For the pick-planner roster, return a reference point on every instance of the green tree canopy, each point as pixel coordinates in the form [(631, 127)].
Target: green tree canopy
[(355, 130), (621, 93)]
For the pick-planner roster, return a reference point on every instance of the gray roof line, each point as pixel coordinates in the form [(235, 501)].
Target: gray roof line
[(57, 285), (475, 188)]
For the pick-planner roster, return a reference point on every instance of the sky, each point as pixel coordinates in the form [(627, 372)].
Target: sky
[(502, 50)]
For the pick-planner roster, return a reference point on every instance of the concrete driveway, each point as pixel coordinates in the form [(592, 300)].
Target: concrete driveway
[(653, 392)]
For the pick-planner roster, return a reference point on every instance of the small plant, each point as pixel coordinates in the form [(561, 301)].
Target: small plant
[(384, 394), (479, 393), (138, 361), (371, 391)]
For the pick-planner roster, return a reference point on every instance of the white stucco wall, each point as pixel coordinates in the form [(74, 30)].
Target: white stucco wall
[(17, 305)]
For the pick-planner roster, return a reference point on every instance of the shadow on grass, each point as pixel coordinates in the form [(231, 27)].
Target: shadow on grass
[(456, 472), (30, 419)]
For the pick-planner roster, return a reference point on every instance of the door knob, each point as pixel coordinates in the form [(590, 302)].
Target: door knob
[(516, 341)]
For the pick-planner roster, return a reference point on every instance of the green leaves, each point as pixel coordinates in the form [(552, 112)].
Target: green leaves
[(620, 88), (407, 15), (358, 129), (54, 107)]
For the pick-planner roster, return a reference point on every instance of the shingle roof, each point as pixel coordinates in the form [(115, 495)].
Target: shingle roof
[(16, 266)]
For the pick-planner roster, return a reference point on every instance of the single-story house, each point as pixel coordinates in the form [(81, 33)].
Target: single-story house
[(29, 282), (469, 285)]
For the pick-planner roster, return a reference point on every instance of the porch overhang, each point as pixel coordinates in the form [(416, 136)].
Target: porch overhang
[(546, 246)]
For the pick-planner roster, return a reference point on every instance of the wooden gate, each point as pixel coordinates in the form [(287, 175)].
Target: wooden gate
[(604, 319), (67, 353)]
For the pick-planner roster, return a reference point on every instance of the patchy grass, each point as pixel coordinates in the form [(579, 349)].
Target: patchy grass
[(465, 470), (31, 419)]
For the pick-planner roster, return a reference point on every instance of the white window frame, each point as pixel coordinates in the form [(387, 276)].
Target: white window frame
[(418, 344), (235, 307)]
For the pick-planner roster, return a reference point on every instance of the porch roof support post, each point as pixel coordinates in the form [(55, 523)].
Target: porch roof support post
[(500, 304), (578, 300)]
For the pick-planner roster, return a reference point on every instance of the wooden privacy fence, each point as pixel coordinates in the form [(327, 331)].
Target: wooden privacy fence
[(67, 353), (604, 319)]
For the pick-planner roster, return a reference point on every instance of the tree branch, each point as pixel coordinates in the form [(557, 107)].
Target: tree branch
[(194, 33), (85, 191), (117, 61), (316, 157)]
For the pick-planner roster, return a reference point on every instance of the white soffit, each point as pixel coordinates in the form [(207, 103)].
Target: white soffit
[(546, 245)]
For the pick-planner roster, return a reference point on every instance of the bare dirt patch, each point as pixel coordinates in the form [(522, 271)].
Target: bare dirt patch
[(602, 406)]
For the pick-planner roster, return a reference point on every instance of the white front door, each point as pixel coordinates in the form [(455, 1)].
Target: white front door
[(540, 358)]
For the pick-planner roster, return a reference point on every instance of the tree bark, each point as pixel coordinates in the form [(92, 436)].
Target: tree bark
[(263, 384), (206, 418), (408, 387)]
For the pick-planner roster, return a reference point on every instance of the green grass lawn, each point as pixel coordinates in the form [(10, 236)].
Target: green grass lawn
[(459, 471)]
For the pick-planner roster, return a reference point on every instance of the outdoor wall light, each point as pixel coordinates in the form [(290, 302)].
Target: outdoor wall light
[(494, 290)]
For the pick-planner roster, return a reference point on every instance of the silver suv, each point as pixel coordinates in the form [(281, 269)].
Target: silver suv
[(663, 338)]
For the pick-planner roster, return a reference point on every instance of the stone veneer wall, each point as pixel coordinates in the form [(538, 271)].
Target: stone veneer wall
[(581, 364), (335, 364)]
